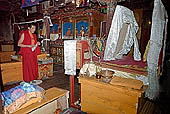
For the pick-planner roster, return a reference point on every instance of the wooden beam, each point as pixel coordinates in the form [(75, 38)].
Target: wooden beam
[(3, 0), (4, 9)]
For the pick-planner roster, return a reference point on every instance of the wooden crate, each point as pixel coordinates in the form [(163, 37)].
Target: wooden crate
[(41, 56), (7, 47), (103, 98), (6, 56), (11, 72)]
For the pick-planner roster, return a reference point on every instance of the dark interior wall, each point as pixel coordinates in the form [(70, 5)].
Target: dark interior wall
[(146, 29), (6, 30), (143, 13)]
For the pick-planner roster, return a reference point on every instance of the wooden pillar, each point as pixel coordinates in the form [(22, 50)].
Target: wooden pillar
[(1, 105), (1, 82), (72, 90), (110, 12), (1, 89)]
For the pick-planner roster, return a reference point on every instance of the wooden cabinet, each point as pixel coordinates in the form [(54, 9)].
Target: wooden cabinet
[(7, 47), (11, 71), (6, 56), (103, 98), (57, 51)]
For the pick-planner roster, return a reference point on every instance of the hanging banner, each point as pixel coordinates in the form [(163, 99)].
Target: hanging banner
[(27, 3)]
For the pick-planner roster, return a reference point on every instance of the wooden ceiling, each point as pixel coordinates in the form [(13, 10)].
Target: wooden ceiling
[(9, 5)]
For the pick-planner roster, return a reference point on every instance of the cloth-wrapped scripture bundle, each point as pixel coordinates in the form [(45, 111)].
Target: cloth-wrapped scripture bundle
[(16, 97)]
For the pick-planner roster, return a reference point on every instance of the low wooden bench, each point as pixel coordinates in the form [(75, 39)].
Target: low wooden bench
[(48, 104)]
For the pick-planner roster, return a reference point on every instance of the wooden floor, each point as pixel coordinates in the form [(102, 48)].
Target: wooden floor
[(60, 80)]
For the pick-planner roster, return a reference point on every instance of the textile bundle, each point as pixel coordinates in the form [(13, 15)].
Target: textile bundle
[(157, 41), (70, 57), (19, 95), (122, 35)]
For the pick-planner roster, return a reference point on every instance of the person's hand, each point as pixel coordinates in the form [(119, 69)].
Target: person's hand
[(38, 43), (31, 46)]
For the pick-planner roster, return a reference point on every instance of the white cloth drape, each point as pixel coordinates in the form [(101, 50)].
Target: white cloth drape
[(121, 17), (70, 57), (158, 29)]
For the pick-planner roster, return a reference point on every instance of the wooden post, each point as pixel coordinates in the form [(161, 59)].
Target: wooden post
[(1, 89), (110, 12), (71, 90)]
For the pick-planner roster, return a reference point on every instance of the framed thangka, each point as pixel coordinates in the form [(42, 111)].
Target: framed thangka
[(67, 30), (51, 3), (82, 3), (54, 32), (103, 29), (82, 29), (45, 5)]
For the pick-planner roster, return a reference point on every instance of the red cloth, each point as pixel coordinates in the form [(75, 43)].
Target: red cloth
[(29, 58)]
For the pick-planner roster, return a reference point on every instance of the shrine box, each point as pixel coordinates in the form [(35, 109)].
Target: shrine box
[(45, 67)]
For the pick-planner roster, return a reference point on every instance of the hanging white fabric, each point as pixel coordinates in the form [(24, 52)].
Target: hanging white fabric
[(50, 22), (123, 17), (158, 29), (70, 57)]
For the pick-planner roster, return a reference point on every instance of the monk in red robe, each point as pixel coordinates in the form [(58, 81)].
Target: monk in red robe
[(29, 51)]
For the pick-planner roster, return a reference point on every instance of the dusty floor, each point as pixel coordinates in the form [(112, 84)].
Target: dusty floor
[(60, 80)]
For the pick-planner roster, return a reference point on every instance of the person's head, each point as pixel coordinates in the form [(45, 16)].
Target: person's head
[(32, 27), (82, 27)]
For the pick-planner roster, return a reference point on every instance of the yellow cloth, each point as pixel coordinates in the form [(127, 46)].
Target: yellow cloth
[(146, 52), (44, 30)]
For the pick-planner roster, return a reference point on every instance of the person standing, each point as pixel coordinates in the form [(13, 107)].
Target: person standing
[(29, 51)]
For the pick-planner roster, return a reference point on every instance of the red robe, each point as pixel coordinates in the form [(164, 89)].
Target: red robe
[(29, 58)]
